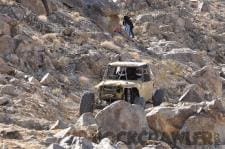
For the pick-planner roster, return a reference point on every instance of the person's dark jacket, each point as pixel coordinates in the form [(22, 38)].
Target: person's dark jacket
[(127, 20)]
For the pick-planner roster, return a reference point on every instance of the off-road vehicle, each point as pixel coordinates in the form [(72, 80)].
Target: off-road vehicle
[(129, 81)]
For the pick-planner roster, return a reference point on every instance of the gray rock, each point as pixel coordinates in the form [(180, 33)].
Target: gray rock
[(4, 27), (86, 126), (10, 134), (4, 100), (5, 69), (121, 145), (208, 79), (13, 58), (51, 140), (168, 120), (36, 6), (67, 140), (121, 119), (63, 133), (161, 47), (31, 123), (8, 89), (153, 144), (144, 18), (186, 55), (34, 81), (3, 79), (105, 144), (19, 74), (108, 8), (203, 129), (192, 93), (82, 143), (204, 6), (103, 12), (55, 146), (58, 125), (48, 79), (7, 45), (217, 104)]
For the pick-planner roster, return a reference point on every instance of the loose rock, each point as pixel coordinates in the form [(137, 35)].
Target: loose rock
[(120, 120)]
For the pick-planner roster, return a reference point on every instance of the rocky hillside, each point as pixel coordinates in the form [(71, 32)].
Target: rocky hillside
[(52, 51)]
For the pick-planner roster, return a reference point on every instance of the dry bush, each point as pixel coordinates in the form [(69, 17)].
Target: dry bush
[(63, 61), (138, 30), (57, 92), (82, 37), (43, 18), (119, 40), (76, 16), (50, 37)]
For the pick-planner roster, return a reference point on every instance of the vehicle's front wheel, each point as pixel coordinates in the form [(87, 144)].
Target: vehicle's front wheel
[(87, 102), (139, 101), (158, 97)]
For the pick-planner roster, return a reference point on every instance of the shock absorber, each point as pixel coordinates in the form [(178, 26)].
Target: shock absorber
[(129, 95)]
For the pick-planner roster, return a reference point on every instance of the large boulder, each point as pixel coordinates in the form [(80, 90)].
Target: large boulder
[(4, 100), (105, 143), (132, 5), (208, 79), (32, 55), (204, 6), (35, 6), (8, 89), (4, 26), (103, 12), (167, 121), (192, 93), (5, 69), (123, 121), (158, 48), (10, 134), (203, 129), (58, 125), (105, 6), (147, 17), (6, 45), (186, 55), (86, 126)]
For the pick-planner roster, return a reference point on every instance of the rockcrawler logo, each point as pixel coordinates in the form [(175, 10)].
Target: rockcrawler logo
[(184, 138), (199, 138), (128, 137)]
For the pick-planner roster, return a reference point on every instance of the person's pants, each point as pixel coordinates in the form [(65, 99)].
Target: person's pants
[(129, 31)]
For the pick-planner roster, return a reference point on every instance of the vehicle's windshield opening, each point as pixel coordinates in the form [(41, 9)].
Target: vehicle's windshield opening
[(124, 73)]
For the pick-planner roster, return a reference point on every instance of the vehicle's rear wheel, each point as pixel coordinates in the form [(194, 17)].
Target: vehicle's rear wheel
[(158, 97), (87, 102), (139, 101)]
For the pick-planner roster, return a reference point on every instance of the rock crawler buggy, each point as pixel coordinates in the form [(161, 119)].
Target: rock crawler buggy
[(129, 81)]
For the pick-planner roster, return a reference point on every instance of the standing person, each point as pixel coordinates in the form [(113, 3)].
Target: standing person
[(128, 26)]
